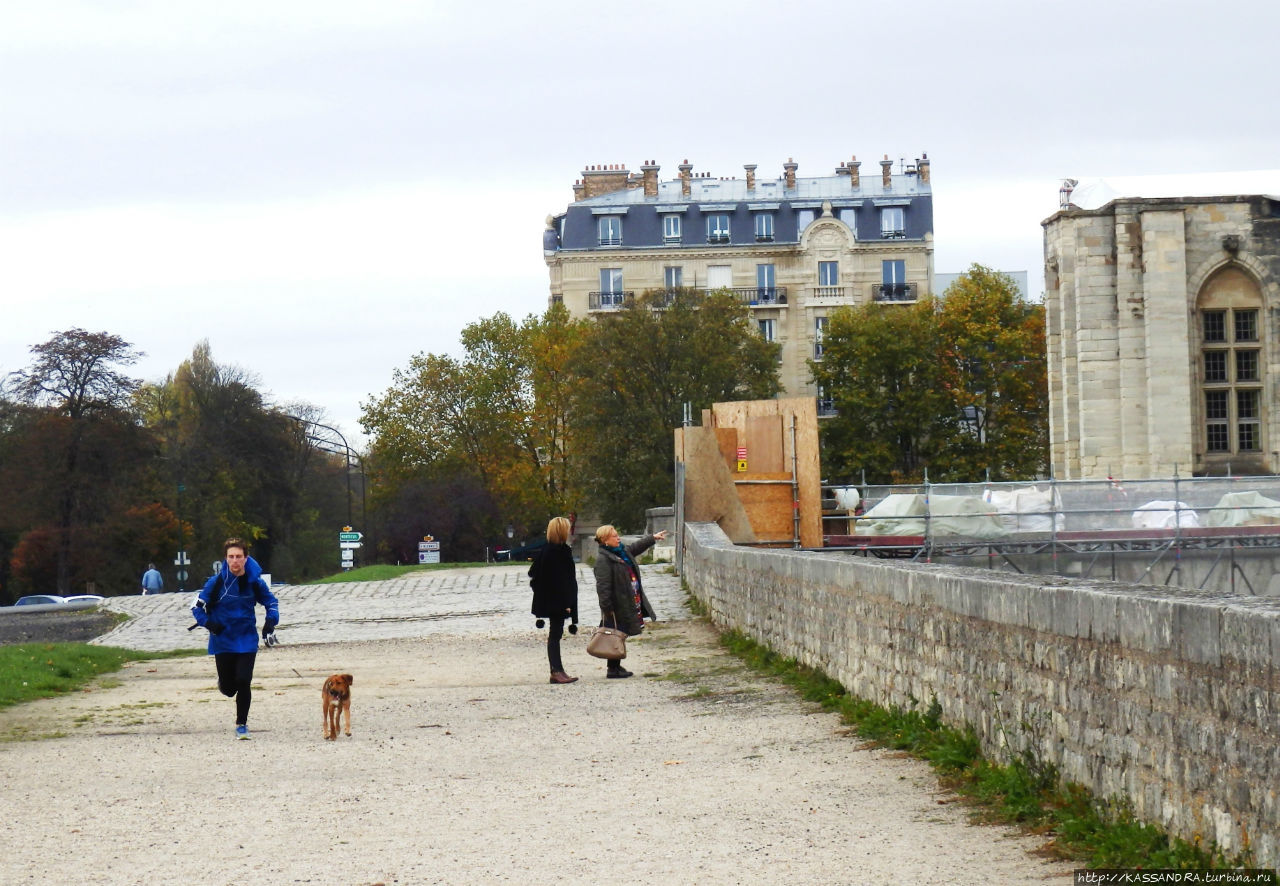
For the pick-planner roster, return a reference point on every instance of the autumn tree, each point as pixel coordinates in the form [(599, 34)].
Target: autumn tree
[(79, 442), (880, 368), (635, 371), (955, 387), (994, 367), (489, 429)]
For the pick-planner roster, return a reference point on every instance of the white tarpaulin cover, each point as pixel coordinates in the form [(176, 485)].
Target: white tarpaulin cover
[(1161, 515), (1025, 510), (1244, 509), (903, 514)]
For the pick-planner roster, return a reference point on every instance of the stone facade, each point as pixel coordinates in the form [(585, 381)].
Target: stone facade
[(1168, 698), (826, 245), (1137, 387)]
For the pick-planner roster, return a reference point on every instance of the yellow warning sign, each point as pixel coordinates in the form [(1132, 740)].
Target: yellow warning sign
[(742, 465)]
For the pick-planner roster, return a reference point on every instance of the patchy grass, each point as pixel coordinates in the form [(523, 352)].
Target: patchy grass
[(42, 670), (1023, 791), (382, 572)]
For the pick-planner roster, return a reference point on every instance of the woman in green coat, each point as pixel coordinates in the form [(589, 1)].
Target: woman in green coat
[(623, 604)]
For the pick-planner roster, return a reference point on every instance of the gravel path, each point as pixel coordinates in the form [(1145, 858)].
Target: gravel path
[(466, 767)]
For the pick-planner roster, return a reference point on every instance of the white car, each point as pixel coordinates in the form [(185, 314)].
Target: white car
[(40, 600), (85, 598)]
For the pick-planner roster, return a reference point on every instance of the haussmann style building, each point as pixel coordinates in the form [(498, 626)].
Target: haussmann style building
[(792, 248), (1163, 319)]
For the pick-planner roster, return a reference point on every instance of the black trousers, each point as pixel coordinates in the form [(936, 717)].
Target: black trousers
[(553, 643), (235, 673)]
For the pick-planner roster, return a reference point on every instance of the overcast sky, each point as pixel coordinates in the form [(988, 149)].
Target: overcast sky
[(323, 189)]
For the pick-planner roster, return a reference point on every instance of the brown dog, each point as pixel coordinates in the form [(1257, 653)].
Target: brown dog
[(337, 698)]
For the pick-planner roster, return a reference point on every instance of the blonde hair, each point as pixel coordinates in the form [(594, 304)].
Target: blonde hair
[(604, 532), (558, 530)]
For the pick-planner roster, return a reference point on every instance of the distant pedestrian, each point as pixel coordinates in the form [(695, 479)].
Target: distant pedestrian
[(623, 605), (226, 606), (554, 580), (152, 580)]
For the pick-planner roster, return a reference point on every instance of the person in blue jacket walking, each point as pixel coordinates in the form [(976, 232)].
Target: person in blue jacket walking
[(226, 607)]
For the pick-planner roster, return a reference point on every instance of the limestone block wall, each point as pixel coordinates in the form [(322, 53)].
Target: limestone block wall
[(1169, 698)]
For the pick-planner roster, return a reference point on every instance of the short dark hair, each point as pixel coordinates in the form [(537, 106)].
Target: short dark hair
[(235, 543)]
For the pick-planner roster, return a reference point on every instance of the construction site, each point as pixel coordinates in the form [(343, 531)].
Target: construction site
[(753, 467)]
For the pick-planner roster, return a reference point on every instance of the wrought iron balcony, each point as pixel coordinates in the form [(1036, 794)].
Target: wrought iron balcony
[(894, 292), (608, 301), (761, 296)]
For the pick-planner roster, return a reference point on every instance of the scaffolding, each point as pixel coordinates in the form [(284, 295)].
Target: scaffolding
[(1043, 527)]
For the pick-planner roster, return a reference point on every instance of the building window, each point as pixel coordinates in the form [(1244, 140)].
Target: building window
[(804, 218), (892, 223), (828, 273), (826, 406), (768, 329), (1231, 370), (893, 279), (671, 229), (764, 227), (610, 230), (718, 228), (672, 278), (819, 333), (766, 289), (611, 287)]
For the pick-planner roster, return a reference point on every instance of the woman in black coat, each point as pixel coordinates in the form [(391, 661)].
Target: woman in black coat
[(555, 592), (623, 604)]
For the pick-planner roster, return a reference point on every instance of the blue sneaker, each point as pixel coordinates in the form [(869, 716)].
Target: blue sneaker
[(242, 733)]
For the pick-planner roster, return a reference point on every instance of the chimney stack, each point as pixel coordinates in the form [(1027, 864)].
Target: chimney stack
[(922, 165), (751, 175), (605, 179), (855, 179), (789, 169), (686, 175), (886, 172), (649, 170), (578, 190)]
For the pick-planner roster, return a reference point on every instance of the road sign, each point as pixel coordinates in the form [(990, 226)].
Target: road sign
[(350, 545), (348, 555), (350, 536), (181, 559), (182, 575)]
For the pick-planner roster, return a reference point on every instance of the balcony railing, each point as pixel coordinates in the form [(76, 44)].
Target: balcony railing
[(828, 292), (608, 301), (894, 292), (761, 296)]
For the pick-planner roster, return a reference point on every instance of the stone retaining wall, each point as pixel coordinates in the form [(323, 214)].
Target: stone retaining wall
[(1167, 697)]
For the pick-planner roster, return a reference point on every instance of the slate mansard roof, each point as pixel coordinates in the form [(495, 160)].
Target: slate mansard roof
[(642, 217)]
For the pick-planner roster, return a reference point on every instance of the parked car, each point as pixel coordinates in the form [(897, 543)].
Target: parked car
[(40, 600), (86, 598)]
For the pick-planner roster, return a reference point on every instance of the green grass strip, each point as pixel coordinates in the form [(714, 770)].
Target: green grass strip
[(381, 572), (42, 670), (1022, 791)]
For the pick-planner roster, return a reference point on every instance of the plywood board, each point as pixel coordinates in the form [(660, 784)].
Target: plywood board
[(709, 492), (763, 440), (769, 510), (727, 440), (802, 414)]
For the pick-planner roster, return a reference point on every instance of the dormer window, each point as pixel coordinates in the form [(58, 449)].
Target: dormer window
[(671, 229), (609, 228), (892, 223), (764, 227), (718, 229)]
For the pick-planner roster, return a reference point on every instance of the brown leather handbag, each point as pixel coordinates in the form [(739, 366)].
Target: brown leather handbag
[(608, 643)]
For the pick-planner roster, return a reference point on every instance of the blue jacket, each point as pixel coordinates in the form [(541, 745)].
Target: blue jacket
[(230, 602)]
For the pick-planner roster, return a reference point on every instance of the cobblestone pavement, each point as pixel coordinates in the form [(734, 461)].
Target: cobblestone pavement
[(483, 599)]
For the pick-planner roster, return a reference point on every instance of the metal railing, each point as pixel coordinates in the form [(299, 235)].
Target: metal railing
[(760, 296), (894, 292), (1082, 519), (608, 301)]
